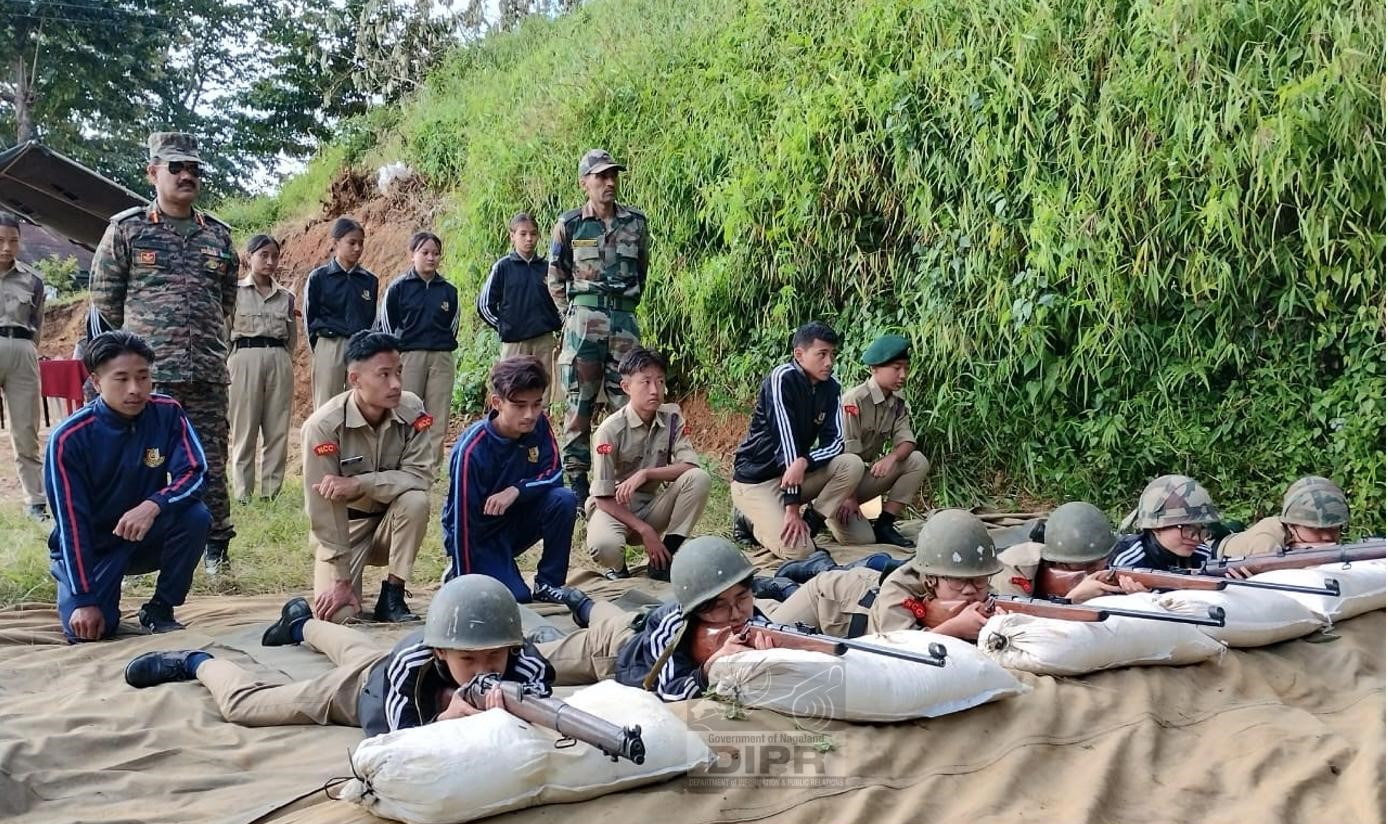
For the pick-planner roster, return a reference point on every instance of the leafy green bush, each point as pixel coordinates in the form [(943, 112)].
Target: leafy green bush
[(60, 273), (1126, 237)]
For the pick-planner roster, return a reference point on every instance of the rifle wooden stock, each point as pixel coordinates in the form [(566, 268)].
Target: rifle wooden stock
[(1369, 550), (569, 721), (1157, 580), (1082, 612), (784, 636)]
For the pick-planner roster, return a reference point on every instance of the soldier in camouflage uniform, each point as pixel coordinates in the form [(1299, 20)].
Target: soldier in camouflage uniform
[(1314, 511), (167, 272), (1173, 520), (597, 269)]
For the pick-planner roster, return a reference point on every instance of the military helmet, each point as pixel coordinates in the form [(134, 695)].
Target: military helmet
[(1077, 533), (705, 567), (473, 612), (955, 544), (1315, 502), (1174, 500)]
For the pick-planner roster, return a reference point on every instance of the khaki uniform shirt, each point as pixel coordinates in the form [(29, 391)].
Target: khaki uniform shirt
[(1266, 537), (624, 444), (888, 612), (389, 460), (264, 317), (21, 299), (873, 419), (1020, 565)]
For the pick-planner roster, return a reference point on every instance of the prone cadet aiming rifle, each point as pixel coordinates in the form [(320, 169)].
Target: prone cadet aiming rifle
[(1043, 608), (784, 636), (1056, 583), (572, 723), (1369, 550)]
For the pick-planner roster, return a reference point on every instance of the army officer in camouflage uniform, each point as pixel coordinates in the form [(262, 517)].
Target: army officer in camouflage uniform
[(597, 269), (167, 272)]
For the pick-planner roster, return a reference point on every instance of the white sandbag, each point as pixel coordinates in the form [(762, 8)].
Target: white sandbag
[(1050, 646), (1252, 617), (470, 768), (862, 686), (1361, 587)]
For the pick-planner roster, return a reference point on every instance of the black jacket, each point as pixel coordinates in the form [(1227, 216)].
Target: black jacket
[(337, 303), (679, 677), (422, 314), (402, 689), (1144, 552), (791, 415), (515, 300)]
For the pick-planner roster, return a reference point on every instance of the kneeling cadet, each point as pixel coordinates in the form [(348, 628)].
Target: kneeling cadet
[(473, 628)]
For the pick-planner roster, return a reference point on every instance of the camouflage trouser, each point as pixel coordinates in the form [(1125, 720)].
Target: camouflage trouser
[(205, 404), (595, 340)]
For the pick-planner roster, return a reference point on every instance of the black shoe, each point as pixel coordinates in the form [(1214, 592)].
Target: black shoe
[(815, 520), (390, 606), (544, 634), (777, 589), (885, 532), (281, 633), (571, 597), (742, 530), (38, 512), (617, 574), (215, 560), (157, 617), (803, 570), (659, 574), (159, 668)]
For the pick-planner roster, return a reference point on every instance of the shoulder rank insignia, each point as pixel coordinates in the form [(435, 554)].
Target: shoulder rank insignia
[(534, 454), (153, 458), (423, 422), (604, 449), (325, 449), (147, 257), (851, 408)]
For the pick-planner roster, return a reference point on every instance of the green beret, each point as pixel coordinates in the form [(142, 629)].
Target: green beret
[(886, 349)]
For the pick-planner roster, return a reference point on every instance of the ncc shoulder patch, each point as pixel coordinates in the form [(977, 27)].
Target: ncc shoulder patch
[(1021, 583), (851, 408), (423, 422), (686, 430), (325, 449), (604, 449)]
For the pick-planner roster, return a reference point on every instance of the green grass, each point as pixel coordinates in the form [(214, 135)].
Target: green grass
[(271, 551), (300, 197)]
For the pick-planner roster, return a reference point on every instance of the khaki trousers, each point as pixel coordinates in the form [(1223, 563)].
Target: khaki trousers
[(390, 539), (826, 488), (590, 655), (331, 698), (261, 394), (829, 601), (901, 485), (430, 376), (329, 369), (546, 348), (19, 380), (673, 510)]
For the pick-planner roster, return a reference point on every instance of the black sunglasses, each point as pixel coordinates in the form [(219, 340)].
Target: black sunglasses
[(178, 167)]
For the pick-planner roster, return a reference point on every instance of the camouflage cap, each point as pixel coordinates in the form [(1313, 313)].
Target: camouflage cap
[(597, 161), (885, 349), (1174, 500), (1315, 502), (170, 146)]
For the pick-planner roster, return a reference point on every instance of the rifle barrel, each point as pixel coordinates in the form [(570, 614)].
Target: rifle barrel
[(935, 658)]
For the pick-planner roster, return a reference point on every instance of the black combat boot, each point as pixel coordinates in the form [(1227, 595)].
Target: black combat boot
[(742, 529), (215, 560), (775, 589), (578, 482), (295, 612), (815, 520), (161, 667), (391, 607), (885, 532), (672, 545)]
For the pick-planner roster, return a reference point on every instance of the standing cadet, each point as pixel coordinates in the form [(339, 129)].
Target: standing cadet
[(597, 271), (122, 474), (1314, 511), (875, 415), (21, 321), (516, 303), (262, 374), (421, 309), (368, 465), (646, 475), (167, 272), (779, 467), (1173, 519), (339, 301)]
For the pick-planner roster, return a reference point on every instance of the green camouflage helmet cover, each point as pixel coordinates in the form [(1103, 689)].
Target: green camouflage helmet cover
[(705, 567), (1174, 500), (1315, 502), (955, 544), (1077, 533), (473, 612)]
